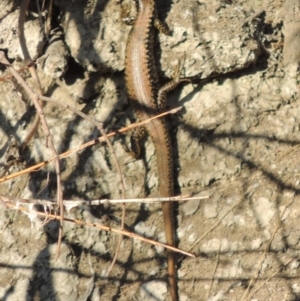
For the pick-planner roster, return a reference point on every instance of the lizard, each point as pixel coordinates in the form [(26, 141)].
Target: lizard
[(148, 100)]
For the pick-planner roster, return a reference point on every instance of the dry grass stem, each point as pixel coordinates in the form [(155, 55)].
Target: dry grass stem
[(99, 226), (215, 269), (215, 225), (71, 203), (82, 146)]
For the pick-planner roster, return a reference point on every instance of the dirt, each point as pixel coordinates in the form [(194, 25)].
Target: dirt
[(235, 141)]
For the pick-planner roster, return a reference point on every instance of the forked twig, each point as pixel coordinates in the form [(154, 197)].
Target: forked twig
[(40, 114), (31, 66), (49, 138), (104, 138)]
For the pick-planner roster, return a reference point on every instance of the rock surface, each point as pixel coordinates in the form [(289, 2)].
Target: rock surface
[(235, 140)]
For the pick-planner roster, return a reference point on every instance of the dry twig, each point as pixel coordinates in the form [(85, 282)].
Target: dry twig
[(215, 269), (82, 146), (49, 138), (31, 66), (99, 226), (71, 203), (40, 114)]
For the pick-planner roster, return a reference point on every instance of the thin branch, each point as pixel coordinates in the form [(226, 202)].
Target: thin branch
[(263, 258), (71, 203), (7, 77), (269, 278), (49, 138), (267, 249), (39, 115), (102, 227), (215, 269), (83, 146), (98, 124), (123, 197), (100, 128), (31, 66)]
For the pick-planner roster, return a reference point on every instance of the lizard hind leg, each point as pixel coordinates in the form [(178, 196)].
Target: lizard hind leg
[(137, 135), (162, 27)]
